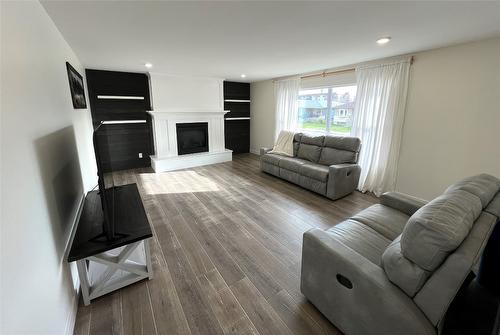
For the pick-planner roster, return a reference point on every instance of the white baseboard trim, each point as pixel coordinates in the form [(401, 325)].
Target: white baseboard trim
[(71, 320), (255, 151)]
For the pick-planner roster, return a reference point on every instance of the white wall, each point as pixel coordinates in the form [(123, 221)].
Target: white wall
[(46, 165), (186, 93), (262, 118), (452, 123)]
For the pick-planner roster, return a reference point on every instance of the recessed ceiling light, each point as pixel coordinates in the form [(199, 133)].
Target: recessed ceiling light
[(148, 65), (243, 75), (383, 40)]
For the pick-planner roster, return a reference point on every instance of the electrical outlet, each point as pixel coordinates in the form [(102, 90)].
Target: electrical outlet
[(140, 154)]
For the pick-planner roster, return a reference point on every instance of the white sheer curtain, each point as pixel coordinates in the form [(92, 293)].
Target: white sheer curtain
[(378, 122), (287, 93)]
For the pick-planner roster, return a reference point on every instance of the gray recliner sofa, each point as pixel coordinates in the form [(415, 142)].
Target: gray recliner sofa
[(395, 267), (323, 164)]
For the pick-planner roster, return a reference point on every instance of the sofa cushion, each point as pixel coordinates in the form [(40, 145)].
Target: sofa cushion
[(312, 140), (483, 186), (291, 163), (438, 292), (383, 219), (290, 176), (332, 156), (343, 143), (314, 171), (272, 159), (407, 275), (296, 143), (309, 152), (339, 150), (270, 168), (310, 147), (438, 228), (360, 238), (494, 206)]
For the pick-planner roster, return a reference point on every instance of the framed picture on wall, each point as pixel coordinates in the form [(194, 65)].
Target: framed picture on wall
[(76, 87)]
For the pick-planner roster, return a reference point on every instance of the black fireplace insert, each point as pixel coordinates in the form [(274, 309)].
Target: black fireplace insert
[(192, 137)]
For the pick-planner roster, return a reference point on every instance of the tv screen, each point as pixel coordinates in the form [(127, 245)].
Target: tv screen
[(105, 182)]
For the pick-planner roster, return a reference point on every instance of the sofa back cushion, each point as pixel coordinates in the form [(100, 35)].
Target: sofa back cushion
[(296, 143), (484, 186), (310, 147), (402, 272), (494, 206), (340, 150), (435, 297), (439, 227)]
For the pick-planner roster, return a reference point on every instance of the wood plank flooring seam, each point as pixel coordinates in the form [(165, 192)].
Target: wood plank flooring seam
[(151, 306)]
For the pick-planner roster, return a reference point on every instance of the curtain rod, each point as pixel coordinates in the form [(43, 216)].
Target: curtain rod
[(331, 73)]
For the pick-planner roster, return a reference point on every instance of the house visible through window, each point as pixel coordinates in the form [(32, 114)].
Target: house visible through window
[(327, 110)]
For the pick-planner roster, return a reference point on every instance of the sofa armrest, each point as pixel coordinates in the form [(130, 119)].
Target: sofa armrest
[(402, 202), (264, 150), (342, 180), (371, 304)]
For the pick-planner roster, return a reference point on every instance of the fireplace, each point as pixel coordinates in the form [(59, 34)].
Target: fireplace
[(192, 137), (184, 139)]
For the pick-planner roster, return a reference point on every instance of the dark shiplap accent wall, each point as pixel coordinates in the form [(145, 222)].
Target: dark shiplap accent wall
[(237, 91), (237, 132), (123, 142)]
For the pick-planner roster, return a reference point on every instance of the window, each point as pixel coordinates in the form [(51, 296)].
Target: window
[(327, 110)]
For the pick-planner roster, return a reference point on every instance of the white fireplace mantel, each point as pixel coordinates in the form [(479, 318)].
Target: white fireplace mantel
[(186, 99), (165, 138)]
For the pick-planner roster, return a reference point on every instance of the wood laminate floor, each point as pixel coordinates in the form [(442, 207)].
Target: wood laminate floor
[(226, 255)]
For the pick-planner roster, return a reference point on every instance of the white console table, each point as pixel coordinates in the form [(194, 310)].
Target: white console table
[(114, 269)]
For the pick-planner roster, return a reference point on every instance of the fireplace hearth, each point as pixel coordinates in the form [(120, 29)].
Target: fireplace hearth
[(179, 148), (192, 137)]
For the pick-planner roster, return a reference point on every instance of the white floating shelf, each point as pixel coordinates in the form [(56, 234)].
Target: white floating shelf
[(235, 100), (237, 118), (123, 121), (119, 97)]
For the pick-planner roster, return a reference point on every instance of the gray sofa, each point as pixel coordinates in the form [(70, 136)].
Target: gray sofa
[(323, 164), (395, 267)]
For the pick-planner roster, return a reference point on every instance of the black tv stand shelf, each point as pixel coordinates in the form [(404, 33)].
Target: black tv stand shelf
[(104, 266), (237, 119), (130, 220)]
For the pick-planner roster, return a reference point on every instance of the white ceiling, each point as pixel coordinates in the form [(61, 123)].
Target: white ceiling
[(261, 39)]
